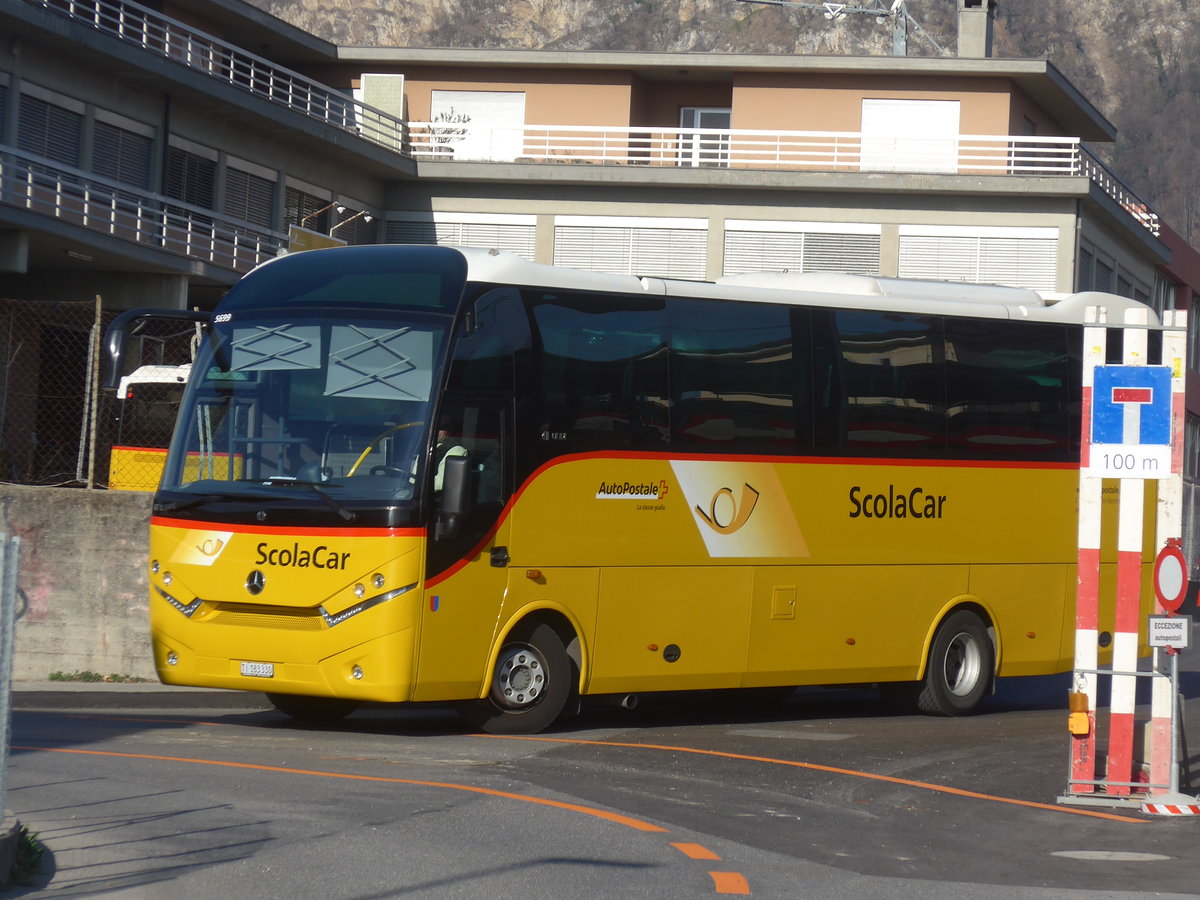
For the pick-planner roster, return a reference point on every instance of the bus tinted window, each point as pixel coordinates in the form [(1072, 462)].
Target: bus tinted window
[(603, 371), (734, 377), (892, 382), (485, 359), (1008, 389), (381, 275)]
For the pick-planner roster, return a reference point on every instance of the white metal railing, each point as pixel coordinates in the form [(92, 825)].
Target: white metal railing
[(135, 24), (817, 151), (1129, 201), (151, 220)]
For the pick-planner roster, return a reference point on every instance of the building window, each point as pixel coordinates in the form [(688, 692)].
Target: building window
[(662, 248), (191, 177), (1022, 257), (1191, 455), (764, 246), (306, 209), (249, 197), (122, 155), (704, 136), (514, 233), (354, 227), (49, 131), (1194, 334)]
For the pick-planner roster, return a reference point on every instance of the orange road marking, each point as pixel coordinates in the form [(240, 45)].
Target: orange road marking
[(833, 770), (619, 819), (695, 851), (729, 883)]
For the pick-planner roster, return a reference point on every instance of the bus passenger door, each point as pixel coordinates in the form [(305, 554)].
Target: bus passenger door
[(466, 558)]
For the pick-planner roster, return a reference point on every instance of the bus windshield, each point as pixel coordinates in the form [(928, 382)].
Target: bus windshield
[(335, 402)]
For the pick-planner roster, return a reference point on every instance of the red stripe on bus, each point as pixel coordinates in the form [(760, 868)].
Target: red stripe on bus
[(323, 531)]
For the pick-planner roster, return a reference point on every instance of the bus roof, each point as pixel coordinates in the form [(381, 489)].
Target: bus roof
[(834, 289), (826, 289)]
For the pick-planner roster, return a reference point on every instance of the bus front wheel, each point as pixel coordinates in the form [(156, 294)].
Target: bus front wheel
[(530, 684), (962, 663)]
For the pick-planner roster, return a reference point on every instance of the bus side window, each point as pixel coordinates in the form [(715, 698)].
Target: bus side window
[(894, 377), (1009, 389), (484, 359), (734, 384), (603, 372)]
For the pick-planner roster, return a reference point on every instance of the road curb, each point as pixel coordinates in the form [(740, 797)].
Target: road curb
[(71, 695)]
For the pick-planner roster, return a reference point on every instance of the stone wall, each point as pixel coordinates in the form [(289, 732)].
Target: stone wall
[(82, 587)]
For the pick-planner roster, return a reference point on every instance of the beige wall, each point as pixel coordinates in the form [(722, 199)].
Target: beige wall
[(551, 98), (806, 102), (834, 103)]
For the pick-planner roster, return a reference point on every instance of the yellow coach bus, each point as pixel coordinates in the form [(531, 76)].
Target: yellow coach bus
[(412, 473)]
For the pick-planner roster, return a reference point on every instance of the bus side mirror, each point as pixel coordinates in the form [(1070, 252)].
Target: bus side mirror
[(128, 324), (456, 496)]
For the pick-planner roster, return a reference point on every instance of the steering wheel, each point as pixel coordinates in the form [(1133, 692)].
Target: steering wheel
[(371, 446)]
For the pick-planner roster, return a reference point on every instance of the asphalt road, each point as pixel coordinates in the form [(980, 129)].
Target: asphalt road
[(826, 796)]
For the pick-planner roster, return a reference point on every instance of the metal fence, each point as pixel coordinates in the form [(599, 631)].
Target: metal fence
[(56, 426)]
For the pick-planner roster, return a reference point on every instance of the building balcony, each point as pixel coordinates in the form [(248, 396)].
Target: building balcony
[(150, 221), (202, 53), (748, 149)]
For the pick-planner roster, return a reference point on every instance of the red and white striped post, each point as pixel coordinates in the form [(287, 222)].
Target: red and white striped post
[(1160, 738), (1087, 597), (1131, 510)]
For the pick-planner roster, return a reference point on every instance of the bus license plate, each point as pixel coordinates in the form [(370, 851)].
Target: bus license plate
[(258, 670)]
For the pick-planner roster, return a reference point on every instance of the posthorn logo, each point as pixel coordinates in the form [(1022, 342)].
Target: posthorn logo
[(727, 514)]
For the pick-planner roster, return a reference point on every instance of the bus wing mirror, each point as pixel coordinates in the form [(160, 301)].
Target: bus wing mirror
[(456, 496), (129, 324)]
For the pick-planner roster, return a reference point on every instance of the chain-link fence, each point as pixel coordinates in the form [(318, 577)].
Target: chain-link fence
[(56, 426)]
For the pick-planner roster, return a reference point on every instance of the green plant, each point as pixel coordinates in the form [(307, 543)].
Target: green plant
[(30, 851), (89, 676)]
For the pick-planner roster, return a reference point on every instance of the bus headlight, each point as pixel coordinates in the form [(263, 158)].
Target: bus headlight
[(339, 618)]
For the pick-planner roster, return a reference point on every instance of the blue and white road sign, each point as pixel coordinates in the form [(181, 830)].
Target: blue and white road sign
[(1131, 422)]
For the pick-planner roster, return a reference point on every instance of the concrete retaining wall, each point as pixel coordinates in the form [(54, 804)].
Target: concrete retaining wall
[(82, 584)]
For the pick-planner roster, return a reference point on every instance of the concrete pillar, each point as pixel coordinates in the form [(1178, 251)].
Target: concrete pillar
[(14, 251)]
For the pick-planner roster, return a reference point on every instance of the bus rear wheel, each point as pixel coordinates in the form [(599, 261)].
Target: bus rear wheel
[(530, 684), (962, 663), (313, 710)]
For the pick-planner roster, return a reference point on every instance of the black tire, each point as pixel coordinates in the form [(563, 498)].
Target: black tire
[(313, 710), (530, 684), (962, 663)]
